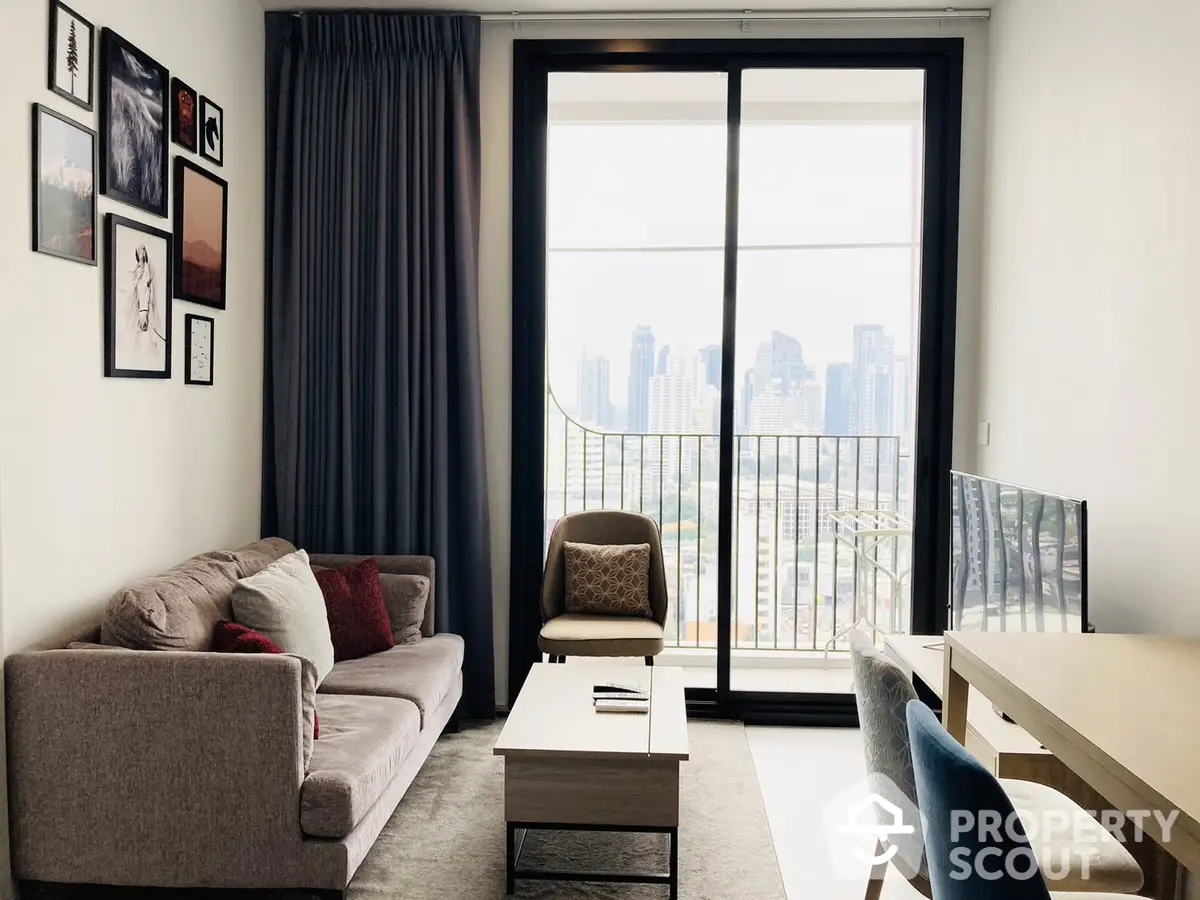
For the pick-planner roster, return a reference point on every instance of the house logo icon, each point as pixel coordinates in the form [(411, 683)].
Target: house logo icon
[(875, 816)]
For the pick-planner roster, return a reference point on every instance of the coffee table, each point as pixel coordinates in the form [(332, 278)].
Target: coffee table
[(570, 768)]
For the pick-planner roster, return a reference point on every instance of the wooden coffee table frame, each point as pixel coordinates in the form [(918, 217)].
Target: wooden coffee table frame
[(517, 832), (569, 768)]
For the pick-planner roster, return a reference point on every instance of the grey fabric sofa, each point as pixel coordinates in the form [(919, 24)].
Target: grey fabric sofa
[(185, 768)]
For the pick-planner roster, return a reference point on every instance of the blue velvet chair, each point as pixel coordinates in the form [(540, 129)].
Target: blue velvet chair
[(950, 779), (883, 691)]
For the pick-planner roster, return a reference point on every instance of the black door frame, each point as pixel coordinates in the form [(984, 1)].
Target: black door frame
[(533, 60)]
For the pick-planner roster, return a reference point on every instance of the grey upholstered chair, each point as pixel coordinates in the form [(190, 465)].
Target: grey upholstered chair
[(883, 691), (572, 634)]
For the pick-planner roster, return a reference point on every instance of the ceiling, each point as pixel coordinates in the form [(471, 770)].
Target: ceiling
[(624, 6)]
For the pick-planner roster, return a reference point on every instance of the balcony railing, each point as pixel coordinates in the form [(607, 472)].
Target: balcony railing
[(794, 583)]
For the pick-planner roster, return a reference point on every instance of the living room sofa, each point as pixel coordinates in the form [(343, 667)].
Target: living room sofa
[(181, 767)]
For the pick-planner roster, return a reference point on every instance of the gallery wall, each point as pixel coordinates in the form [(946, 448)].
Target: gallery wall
[(107, 479)]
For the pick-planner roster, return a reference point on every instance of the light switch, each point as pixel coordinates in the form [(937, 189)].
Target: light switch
[(985, 433)]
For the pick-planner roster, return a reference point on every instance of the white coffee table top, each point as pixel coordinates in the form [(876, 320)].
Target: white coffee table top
[(554, 715)]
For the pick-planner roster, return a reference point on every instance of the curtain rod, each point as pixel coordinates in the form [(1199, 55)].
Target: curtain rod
[(742, 16)]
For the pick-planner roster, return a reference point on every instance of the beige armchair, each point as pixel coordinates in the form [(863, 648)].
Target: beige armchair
[(571, 634)]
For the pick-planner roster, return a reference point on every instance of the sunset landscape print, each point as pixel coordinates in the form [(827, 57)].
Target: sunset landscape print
[(200, 235)]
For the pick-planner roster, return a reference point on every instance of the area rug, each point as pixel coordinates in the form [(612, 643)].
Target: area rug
[(446, 838)]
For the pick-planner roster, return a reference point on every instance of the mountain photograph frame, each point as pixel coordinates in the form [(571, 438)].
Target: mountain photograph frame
[(201, 234)]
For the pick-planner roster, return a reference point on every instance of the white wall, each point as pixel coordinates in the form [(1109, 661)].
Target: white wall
[(496, 247), (102, 479), (1089, 357)]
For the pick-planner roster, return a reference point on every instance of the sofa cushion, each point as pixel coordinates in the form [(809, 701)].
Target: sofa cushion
[(608, 579), (178, 609), (424, 673), (230, 637), (364, 742), (358, 618), (406, 597), (578, 635), (285, 603)]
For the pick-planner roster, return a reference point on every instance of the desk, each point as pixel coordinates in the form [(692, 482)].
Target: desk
[(1121, 712), (1008, 750)]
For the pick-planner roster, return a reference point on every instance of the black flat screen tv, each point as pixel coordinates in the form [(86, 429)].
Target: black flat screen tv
[(1018, 558)]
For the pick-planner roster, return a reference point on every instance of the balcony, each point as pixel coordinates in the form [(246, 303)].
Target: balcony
[(819, 539)]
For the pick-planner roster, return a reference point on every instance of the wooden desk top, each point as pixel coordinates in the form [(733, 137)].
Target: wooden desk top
[(554, 715), (923, 654), (1123, 711)]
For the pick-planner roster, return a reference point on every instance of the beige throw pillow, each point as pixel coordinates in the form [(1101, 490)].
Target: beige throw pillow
[(285, 603), (608, 579)]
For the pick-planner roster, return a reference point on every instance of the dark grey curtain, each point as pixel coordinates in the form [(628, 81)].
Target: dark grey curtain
[(373, 419)]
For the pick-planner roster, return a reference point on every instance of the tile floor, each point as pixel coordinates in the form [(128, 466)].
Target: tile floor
[(799, 771)]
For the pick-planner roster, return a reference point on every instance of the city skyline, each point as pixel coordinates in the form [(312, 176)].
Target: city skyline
[(673, 389)]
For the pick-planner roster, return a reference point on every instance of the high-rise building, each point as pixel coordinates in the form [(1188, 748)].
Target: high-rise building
[(746, 409), (902, 400), (839, 386), (595, 407), (710, 358), (872, 396), (797, 412), (664, 354), (872, 407), (674, 396), (780, 358), (641, 370)]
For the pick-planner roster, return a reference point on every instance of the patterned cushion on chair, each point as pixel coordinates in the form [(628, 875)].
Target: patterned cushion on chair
[(608, 579)]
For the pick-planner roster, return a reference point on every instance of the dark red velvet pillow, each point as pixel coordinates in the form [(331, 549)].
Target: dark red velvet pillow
[(230, 637), (358, 617)]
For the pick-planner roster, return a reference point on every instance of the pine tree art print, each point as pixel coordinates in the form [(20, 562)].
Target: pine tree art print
[(71, 52)]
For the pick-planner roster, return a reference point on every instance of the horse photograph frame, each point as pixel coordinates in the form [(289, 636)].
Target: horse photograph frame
[(134, 125), (211, 131), (137, 299)]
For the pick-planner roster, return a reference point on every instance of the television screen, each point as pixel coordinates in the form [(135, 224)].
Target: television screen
[(1018, 558)]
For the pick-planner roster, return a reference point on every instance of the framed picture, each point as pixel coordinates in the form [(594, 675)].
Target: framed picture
[(72, 44), (133, 125), (137, 300), (183, 115), (198, 349), (201, 219), (212, 131), (64, 187)]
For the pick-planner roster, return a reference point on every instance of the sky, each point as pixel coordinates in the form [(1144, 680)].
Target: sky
[(205, 206), (636, 228)]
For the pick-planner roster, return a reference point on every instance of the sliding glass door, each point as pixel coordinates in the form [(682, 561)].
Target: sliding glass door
[(635, 251), (733, 308), (829, 184)]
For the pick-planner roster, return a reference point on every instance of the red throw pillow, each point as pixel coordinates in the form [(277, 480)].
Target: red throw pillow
[(358, 617), (230, 637)]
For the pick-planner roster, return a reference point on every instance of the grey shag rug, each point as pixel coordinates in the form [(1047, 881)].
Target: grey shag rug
[(446, 838)]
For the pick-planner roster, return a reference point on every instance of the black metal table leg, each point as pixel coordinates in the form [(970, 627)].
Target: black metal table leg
[(674, 870), (510, 866), (517, 831)]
